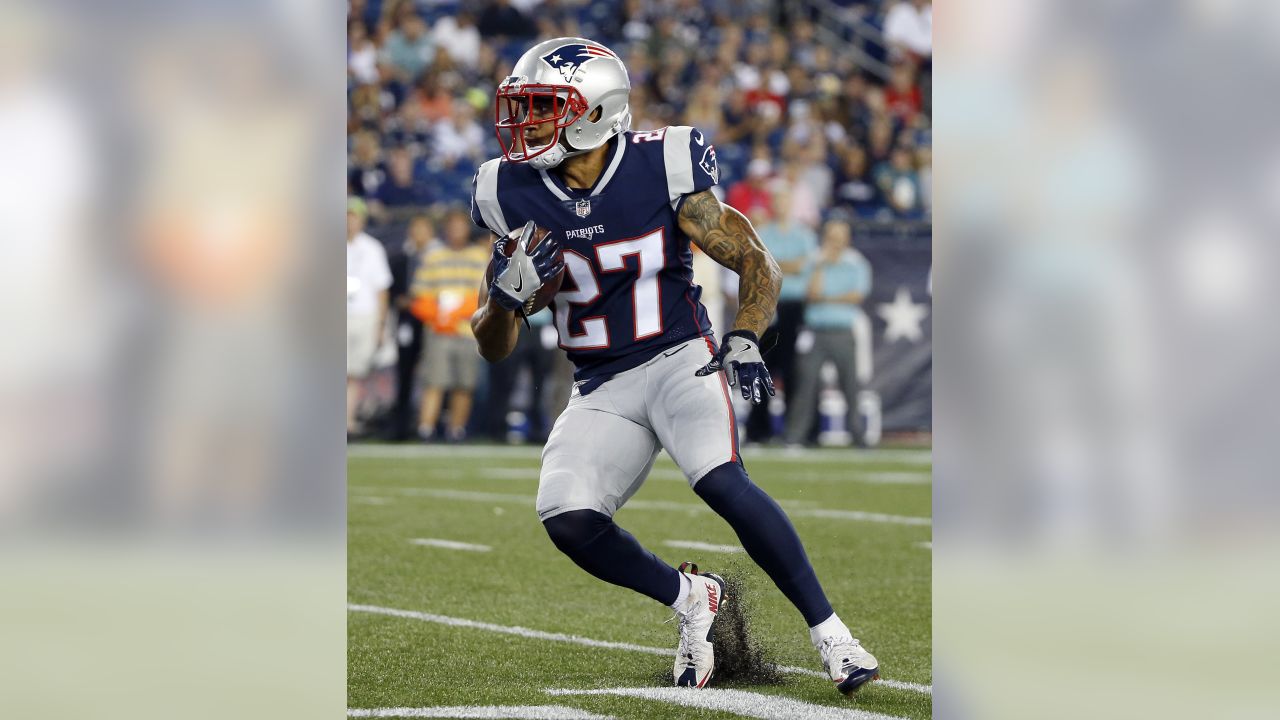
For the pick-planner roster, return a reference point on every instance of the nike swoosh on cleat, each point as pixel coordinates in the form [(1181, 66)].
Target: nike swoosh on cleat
[(721, 598)]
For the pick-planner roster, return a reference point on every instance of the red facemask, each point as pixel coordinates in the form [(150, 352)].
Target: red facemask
[(554, 107)]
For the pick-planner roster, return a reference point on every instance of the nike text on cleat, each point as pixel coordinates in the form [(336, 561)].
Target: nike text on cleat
[(695, 657), (848, 664)]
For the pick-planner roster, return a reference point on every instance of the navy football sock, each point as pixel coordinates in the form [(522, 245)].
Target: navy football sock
[(767, 535), (596, 544)]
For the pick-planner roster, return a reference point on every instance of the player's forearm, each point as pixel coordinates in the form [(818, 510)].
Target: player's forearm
[(727, 237), (496, 330), (759, 281)]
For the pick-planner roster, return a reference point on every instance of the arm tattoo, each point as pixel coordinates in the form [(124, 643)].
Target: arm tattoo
[(728, 238)]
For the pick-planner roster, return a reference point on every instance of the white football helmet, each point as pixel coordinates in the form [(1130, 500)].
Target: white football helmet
[(564, 96)]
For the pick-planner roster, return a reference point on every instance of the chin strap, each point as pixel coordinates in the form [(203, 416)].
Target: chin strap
[(549, 159), (558, 154)]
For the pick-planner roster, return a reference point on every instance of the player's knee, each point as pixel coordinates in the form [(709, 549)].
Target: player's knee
[(573, 530), (723, 482)]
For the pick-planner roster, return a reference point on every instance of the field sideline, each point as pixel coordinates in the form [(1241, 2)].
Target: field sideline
[(459, 605)]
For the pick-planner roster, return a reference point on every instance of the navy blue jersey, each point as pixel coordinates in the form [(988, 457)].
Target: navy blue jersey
[(629, 290)]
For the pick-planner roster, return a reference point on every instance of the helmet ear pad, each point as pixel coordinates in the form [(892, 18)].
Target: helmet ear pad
[(608, 117), (553, 156)]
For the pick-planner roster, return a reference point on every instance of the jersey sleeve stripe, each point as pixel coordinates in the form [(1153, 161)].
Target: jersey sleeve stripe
[(679, 166), (487, 197)]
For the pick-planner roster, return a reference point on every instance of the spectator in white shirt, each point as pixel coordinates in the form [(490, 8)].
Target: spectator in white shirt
[(908, 26), (459, 136), (460, 38), (368, 280), (362, 55)]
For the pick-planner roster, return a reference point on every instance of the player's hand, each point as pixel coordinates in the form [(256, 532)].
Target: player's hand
[(547, 258), (515, 278), (739, 357)]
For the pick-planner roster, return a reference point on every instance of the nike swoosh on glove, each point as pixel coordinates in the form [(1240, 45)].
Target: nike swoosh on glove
[(739, 357), (517, 278)]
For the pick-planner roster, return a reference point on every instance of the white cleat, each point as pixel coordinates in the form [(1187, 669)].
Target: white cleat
[(695, 658), (849, 666)]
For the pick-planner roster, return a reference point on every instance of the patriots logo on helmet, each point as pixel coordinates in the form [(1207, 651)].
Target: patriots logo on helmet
[(709, 164), (568, 59)]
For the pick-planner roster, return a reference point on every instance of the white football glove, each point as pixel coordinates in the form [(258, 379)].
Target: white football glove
[(517, 279)]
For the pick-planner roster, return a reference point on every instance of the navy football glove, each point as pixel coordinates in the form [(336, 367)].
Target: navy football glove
[(500, 263), (518, 278), (739, 357), (547, 259)]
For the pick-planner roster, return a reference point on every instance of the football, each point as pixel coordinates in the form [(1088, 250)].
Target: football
[(543, 297)]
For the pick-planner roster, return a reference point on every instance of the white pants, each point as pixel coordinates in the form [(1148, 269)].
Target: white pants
[(604, 444), (362, 340)]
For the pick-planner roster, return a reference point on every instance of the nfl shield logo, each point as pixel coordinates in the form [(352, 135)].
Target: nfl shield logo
[(583, 208)]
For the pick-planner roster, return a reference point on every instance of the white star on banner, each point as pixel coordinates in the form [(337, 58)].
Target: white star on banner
[(555, 58), (902, 317)]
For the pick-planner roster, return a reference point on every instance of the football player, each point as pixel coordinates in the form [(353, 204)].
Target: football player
[(623, 207)]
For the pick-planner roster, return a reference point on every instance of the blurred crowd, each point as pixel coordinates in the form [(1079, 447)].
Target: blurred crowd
[(820, 114)]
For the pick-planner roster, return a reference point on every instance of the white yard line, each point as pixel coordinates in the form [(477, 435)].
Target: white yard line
[(795, 508), (450, 544), (701, 507), (509, 629), (925, 545), (898, 684), (895, 478), (510, 473), (845, 456), (495, 712), (740, 702), (396, 452), (668, 474), (578, 640), (446, 494), (708, 547), (367, 500), (860, 515), (837, 476)]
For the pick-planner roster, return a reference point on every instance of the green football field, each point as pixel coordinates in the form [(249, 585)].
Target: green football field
[(460, 606)]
